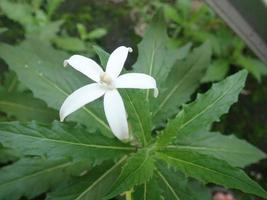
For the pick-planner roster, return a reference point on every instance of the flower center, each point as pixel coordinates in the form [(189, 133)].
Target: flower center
[(106, 80)]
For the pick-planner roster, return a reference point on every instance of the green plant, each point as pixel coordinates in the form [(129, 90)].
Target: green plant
[(171, 139)]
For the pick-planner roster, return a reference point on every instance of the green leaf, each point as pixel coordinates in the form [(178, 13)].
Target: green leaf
[(52, 6), (138, 169), (139, 116), (23, 14), (217, 71), (69, 43), (154, 57), (182, 81), (42, 71), (207, 108), (102, 54), (254, 66), (7, 155), (209, 170), (96, 33), (31, 177), (236, 152), (92, 186), (149, 190), (172, 184), (25, 108), (60, 140)]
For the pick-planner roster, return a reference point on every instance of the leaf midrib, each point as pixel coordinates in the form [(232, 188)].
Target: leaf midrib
[(139, 119), (72, 143), (206, 169), (206, 108), (100, 178), (167, 184), (207, 149), (5, 103), (36, 173), (165, 100)]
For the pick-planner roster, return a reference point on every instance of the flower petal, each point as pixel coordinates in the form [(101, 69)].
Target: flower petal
[(86, 66), (138, 81), (117, 60), (116, 114), (79, 98)]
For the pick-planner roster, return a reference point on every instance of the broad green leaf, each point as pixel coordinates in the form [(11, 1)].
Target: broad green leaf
[(102, 54), (96, 33), (154, 57), (216, 71), (52, 6), (236, 152), (69, 43), (31, 177), (137, 170), (139, 116), (207, 108), (41, 70), (7, 155), (172, 184), (25, 108), (209, 170), (149, 190), (60, 140), (182, 81), (254, 66), (92, 186), (23, 14)]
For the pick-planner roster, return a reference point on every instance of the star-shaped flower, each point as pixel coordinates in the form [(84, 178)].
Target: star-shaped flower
[(106, 85)]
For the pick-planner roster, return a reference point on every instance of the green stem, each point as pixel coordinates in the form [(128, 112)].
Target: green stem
[(128, 195)]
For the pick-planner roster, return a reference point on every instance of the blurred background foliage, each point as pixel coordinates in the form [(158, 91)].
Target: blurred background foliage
[(75, 26)]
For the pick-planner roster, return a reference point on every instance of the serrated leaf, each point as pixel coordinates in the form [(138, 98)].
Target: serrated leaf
[(92, 186), (137, 170), (60, 140), (154, 57), (41, 70), (173, 184), (207, 108), (216, 71), (211, 170), (182, 81), (149, 190), (236, 152), (139, 115), (31, 177), (25, 107)]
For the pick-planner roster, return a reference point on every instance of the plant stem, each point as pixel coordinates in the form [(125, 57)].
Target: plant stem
[(128, 195)]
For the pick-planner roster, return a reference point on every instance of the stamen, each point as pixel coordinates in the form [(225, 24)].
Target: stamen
[(156, 92), (105, 78), (130, 49), (65, 63)]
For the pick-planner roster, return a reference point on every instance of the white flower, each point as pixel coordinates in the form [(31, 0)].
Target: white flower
[(106, 84)]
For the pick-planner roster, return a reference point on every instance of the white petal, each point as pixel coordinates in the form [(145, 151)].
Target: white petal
[(117, 60), (116, 114), (86, 66), (79, 98), (138, 81)]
